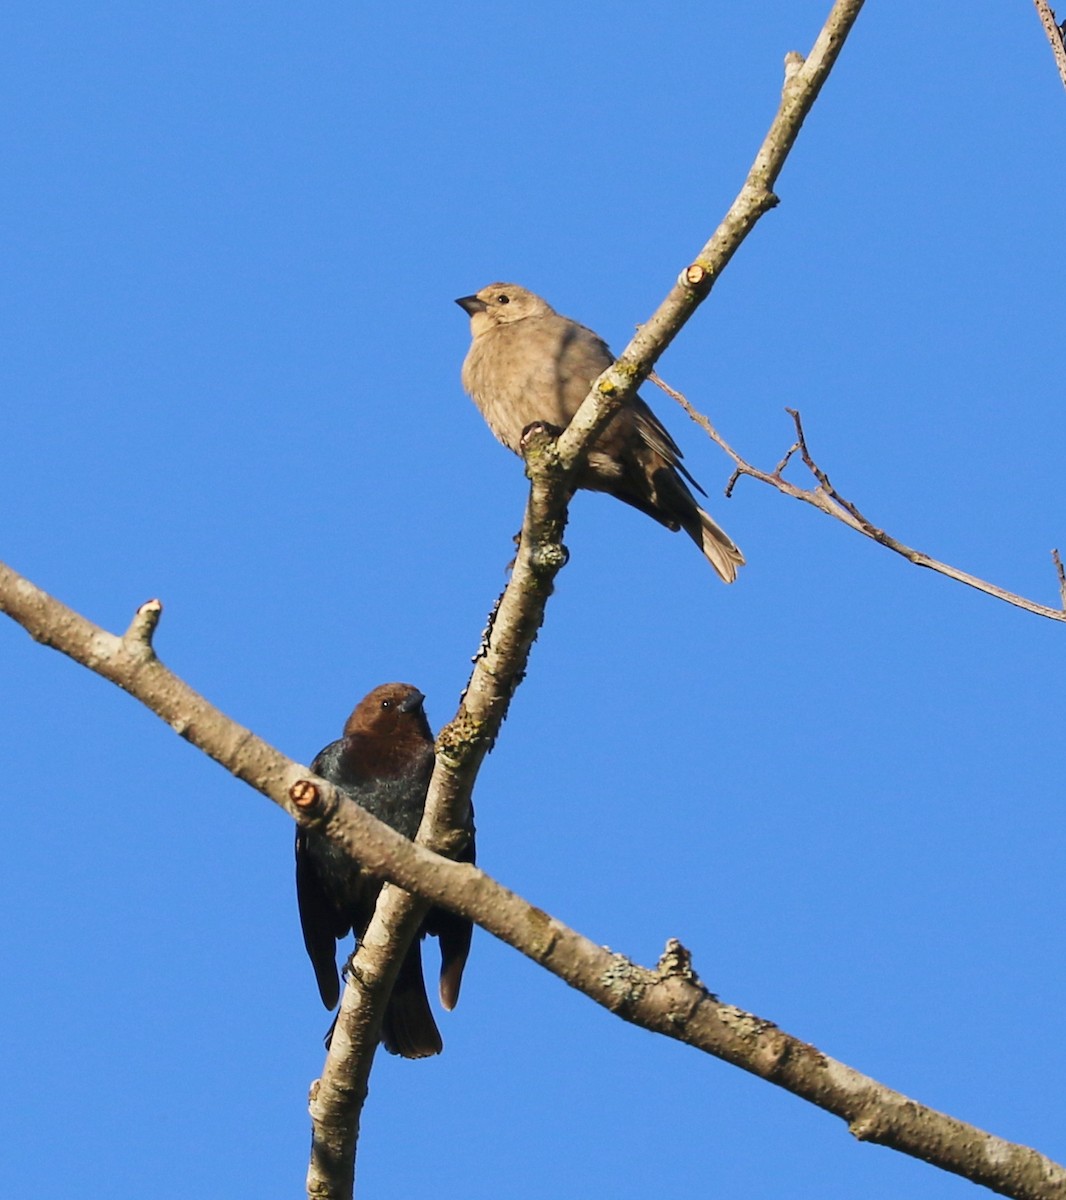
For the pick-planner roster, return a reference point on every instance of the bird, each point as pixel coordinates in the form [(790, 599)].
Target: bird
[(528, 364), (383, 761)]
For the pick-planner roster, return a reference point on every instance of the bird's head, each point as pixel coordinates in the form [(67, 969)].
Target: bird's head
[(501, 304), (392, 711)]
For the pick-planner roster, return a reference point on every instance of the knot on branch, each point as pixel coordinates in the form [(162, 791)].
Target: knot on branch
[(549, 557), (305, 795), (537, 445), (676, 963), (695, 276), (138, 638), (459, 740), (548, 474), (794, 62)]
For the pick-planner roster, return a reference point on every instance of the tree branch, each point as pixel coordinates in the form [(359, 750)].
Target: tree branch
[(669, 999), (827, 499), (519, 613), (337, 1097), (551, 466), (1056, 35)]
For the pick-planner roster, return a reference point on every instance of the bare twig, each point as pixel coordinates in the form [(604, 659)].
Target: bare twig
[(827, 499), (669, 999), (1057, 560), (1055, 35)]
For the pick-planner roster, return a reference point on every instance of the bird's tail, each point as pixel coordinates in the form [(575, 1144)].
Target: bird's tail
[(408, 1028), (718, 547)]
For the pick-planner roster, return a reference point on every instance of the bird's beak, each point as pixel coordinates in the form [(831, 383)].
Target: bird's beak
[(412, 703), (471, 304)]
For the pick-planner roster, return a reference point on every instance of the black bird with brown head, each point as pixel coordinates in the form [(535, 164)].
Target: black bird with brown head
[(383, 762)]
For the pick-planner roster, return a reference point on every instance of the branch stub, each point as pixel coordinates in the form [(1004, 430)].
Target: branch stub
[(304, 794)]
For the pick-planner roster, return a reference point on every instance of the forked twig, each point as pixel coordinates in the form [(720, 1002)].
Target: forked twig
[(827, 499)]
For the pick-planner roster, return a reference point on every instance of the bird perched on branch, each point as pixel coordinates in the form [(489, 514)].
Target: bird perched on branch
[(527, 363), (383, 762)]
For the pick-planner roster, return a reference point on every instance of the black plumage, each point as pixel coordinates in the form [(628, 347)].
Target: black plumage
[(383, 762)]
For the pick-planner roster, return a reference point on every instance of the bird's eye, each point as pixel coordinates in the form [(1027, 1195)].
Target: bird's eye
[(503, 298), (386, 704)]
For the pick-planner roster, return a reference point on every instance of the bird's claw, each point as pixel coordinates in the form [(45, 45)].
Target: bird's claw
[(539, 429)]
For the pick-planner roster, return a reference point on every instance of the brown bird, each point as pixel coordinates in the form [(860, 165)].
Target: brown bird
[(527, 363), (383, 762)]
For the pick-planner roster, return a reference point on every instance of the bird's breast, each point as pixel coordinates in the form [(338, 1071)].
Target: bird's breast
[(518, 376)]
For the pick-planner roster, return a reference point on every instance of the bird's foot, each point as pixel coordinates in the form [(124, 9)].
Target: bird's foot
[(538, 429)]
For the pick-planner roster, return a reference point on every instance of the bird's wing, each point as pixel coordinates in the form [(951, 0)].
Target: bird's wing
[(588, 357), (582, 356), (653, 434), (454, 933), (320, 923)]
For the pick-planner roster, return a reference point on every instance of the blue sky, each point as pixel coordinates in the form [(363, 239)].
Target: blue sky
[(233, 235)]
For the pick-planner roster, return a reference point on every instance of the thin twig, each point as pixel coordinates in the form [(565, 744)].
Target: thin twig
[(827, 499), (1057, 560)]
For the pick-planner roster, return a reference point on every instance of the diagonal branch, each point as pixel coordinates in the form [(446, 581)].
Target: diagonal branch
[(519, 613), (669, 999), (827, 499), (1056, 35), (337, 1097)]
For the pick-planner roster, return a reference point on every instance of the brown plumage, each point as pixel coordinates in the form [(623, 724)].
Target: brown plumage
[(527, 363), (384, 762)]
